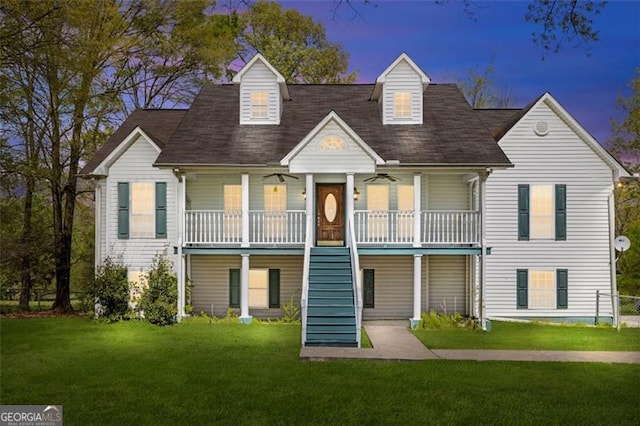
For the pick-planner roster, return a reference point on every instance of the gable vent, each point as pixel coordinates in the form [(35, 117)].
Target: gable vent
[(541, 128)]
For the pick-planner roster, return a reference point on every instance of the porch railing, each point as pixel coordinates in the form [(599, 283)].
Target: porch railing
[(384, 226), (450, 227), (225, 227), (287, 227), (213, 226), (395, 227)]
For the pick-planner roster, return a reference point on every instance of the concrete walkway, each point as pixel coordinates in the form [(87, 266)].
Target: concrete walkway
[(394, 342)]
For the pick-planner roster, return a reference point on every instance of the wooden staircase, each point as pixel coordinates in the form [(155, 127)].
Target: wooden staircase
[(331, 313)]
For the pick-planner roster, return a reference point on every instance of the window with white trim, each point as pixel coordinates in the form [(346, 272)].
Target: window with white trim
[(377, 212), (259, 104), (138, 283), (258, 288), (275, 211), (402, 105), (405, 212), (143, 210), (542, 289), (232, 212), (542, 212)]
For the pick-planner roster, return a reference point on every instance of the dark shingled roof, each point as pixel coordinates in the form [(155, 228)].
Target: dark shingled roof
[(452, 134), (500, 121), (159, 124)]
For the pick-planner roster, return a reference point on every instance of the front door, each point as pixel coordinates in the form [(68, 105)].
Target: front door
[(330, 214)]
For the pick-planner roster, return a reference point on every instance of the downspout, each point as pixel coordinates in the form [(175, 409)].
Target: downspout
[(97, 205), (483, 247)]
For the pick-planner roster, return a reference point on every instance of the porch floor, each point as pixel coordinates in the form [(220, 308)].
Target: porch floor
[(392, 341)]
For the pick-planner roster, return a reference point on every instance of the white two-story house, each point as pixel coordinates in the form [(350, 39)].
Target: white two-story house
[(360, 201)]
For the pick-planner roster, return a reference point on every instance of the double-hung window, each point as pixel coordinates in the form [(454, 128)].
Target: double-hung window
[(377, 212), (232, 213), (142, 210), (542, 212), (275, 212), (402, 105), (264, 288), (542, 289), (259, 105)]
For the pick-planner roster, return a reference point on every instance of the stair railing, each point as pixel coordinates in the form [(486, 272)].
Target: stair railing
[(355, 273), (304, 297)]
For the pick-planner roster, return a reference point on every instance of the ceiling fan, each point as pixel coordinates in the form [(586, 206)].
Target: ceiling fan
[(382, 176), (280, 176)]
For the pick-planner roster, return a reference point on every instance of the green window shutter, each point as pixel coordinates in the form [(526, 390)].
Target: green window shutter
[(274, 288), (562, 288), (523, 288), (368, 278), (561, 212), (123, 210), (161, 210), (523, 212), (234, 288)]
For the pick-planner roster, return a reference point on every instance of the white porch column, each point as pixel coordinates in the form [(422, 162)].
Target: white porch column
[(182, 197), (310, 194), (417, 207), (245, 210), (483, 249), (417, 289), (349, 196), (245, 318)]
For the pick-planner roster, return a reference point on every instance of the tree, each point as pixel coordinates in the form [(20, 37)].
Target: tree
[(625, 143), (558, 21), (183, 45), (481, 90), (294, 44), (563, 21), (625, 140), (71, 70)]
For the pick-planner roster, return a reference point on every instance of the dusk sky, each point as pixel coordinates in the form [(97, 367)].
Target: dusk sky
[(446, 44)]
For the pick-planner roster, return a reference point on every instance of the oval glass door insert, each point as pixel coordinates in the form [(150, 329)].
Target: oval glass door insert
[(330, 208)]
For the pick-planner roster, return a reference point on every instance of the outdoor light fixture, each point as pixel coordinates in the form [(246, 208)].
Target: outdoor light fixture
[(356, 194), (304, 194)]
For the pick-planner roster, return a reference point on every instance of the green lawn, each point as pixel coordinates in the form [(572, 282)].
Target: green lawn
[(198, 373), (532, 336)]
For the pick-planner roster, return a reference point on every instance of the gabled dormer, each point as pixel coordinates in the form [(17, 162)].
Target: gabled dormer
[(262, 90), (398, 91)]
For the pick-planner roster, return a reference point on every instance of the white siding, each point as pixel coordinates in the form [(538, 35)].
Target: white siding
[(204, 191), (135, 165), (447, 192), (311, 159), (561, 157), (259, 78), (405, 179), (448, 284), (402, 78), (210, 278), (393, 286)]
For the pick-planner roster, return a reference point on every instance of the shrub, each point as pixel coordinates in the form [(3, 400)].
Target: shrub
[(291, 311), (432, 320), (110, 290), (159, 300)]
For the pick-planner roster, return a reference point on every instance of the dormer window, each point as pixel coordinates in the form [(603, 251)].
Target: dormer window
[(399, 91), (259, 105), (402, 105), (262, 92)]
